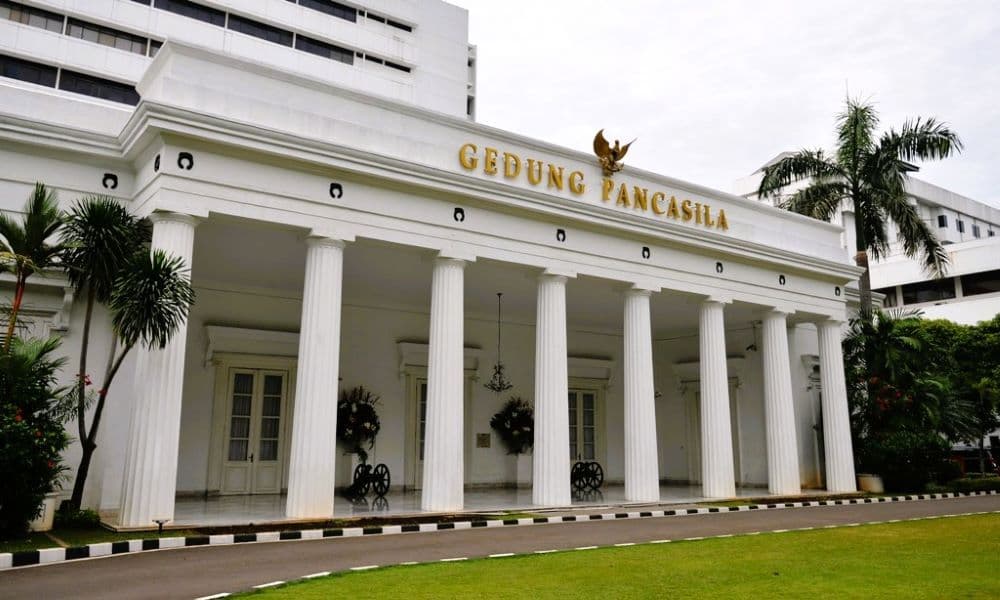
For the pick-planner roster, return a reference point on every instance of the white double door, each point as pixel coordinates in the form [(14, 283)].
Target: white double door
[(254, 451)]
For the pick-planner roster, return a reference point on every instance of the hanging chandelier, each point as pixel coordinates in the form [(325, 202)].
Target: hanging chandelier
[(499, 382)]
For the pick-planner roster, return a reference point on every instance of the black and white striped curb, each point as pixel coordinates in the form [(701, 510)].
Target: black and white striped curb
[(56, 555), (619, 545)]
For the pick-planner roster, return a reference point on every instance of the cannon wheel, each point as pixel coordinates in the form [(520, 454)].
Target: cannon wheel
[(576, 476), (381, 479), (595, 475), (361, 479)]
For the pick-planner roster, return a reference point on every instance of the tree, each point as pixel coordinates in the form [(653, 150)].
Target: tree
[(868, 172), (32, 436), (148, 294), (25, 247)]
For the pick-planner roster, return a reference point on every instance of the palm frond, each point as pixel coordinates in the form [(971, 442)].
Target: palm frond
[(100, 238), (922, 139), (821, 200), (801, 165), (151, 299), (855, 134), (916, 237)]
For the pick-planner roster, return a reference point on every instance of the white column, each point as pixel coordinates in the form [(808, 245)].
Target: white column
[(779, 412), (314, 426), (550, 469), (717, 478), (150, 476), (642, 474), (443, 439), (836, 421)]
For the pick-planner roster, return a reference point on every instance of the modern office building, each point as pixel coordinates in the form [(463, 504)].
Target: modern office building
[(969, 293), (347, 224)]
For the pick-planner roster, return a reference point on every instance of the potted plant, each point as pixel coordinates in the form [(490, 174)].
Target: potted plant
[(515, 425), (357, 422)]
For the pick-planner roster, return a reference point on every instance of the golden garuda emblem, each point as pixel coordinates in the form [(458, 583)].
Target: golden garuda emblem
[(609, 156)]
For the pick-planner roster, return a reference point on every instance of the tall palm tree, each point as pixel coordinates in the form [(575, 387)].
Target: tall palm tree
[(107, 257), (25, 248), (868, 172)]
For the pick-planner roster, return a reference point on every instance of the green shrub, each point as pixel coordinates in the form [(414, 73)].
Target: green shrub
[(907, 460), (32, 437), (70, 518), (968, 484)]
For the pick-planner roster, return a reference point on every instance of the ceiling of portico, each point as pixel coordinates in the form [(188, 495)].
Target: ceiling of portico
[(240, 255)]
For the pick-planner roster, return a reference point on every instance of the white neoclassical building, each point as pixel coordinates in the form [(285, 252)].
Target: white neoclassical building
[(349, 224)]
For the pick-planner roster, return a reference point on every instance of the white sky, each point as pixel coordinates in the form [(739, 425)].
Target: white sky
[(715, 88)]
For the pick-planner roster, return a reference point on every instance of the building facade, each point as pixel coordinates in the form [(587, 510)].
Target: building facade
[(970, 231), (339, 235)]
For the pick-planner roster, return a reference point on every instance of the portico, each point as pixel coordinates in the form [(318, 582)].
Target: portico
[(337, 241)]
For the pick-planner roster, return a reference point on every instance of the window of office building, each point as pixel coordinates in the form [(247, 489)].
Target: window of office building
[(30, 15), (98, 88), (329, 7), (323, 49), (975, 231), (25, 70), (195, 11), (942, 221), (107, 37), (260, 30), (960, 225), (987, 282), (929, 291), (890, 296)]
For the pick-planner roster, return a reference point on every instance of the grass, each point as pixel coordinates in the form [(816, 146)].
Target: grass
[(81, 537), (944, 558)]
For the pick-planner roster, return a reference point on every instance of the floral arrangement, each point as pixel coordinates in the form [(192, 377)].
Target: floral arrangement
[(515, 424), (357, 421)]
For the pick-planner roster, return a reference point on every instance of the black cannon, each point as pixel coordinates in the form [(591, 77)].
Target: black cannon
[(586, 476), (368, 478)]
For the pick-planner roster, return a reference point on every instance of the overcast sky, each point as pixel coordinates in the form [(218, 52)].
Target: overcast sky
[(713, 89)]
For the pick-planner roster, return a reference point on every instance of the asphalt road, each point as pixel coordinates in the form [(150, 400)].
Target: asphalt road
[(203, 571)]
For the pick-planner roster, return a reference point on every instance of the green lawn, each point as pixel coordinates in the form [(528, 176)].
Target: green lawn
[(943, 558)]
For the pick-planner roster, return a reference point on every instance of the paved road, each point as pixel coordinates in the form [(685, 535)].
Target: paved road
[(201, 571)]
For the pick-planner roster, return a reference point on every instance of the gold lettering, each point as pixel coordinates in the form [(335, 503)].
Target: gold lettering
[(708, 217), (467, 156), (511, 165), (686, 210), (623, 196), (555, 176), (723, 224), (697, 213), (639, 197), (490, 161), (606, 186), (655, 201), (576, 183), (534, 171), (672, 211)]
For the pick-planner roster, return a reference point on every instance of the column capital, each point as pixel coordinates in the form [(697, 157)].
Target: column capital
[(717, 299), (461, 254), (441, 259), (325, 242), (163, 216), (636, 291), (783, 310)]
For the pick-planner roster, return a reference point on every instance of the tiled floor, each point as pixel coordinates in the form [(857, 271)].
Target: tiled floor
[(238, 510)]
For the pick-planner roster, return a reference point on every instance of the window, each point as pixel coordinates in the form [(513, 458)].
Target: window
[(890, 296), (960, 225), (154, 47), (987, 282), (25, 70), (990, 233), (323, 49), (30, 15), (98, 88), (398, 67), (398, 25), (942, 221), (192, 10), (335, 9), (929, 291), (975, 231), (107, 37), (260, 30)]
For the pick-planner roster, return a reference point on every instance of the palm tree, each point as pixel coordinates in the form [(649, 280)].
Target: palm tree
[(868, 172), (25, 247), (148, 294)]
